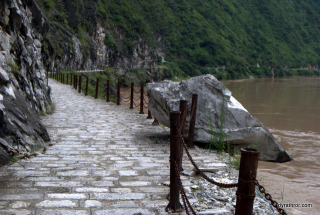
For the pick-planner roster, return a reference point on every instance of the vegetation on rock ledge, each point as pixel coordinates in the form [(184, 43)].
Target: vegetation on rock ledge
[(244, 37)]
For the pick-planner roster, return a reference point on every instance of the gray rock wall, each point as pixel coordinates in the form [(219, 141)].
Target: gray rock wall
[(23, 85)]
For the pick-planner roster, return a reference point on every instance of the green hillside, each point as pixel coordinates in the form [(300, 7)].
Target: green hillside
[(201, 35)]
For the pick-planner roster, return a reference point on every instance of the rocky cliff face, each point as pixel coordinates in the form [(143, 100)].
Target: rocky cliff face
[(23, 85), (39, 35), (79, 40)]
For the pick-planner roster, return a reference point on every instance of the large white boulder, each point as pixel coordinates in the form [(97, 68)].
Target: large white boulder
[(239, 127)]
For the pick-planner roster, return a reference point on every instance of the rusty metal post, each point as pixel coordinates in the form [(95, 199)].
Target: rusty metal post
[(87, 83), (155, 122), (131, 96), (246, 187), (141, 99), (174, 204), (108, 90), (149, 115), (97, 88), (118, 93), (80, 83), (192, 120), (76, 82)]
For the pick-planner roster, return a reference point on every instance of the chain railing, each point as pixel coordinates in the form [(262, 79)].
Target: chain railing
[(247, 172), (262, 190), (76, 81)]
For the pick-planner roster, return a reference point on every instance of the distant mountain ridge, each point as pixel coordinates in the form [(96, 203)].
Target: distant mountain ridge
[(189, 35)]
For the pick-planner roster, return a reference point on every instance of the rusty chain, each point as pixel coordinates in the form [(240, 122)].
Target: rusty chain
[(185, 199), (144, 101), (268, 196), (136, 91), (138, 99), (125, 101), (223, 185), (125, 97), (136, 105)]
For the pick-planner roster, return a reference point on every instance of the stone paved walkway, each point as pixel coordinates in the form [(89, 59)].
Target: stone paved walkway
[(104, 159)]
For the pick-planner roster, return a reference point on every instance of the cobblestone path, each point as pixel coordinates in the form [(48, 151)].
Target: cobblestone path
[(104, 159)]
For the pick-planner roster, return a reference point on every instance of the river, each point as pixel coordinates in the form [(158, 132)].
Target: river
[(290, 108)]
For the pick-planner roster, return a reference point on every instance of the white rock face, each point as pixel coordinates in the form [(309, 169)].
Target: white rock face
[(239, 127)]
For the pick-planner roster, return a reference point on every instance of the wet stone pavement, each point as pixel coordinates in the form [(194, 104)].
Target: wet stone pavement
[(103, 159)]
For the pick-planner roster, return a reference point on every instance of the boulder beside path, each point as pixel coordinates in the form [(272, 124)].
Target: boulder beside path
[(238, 126)]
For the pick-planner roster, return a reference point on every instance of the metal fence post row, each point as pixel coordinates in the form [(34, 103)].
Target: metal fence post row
[(141, 99), (97, 88), (174, 204), (131, 96), (192, 120), (76, 82), (155, 122), (118, 93), (80, 83), (72, 84), (246, 187), (67, 79), (108, 90)]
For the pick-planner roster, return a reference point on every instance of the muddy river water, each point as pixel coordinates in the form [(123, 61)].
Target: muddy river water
[(290, 108)]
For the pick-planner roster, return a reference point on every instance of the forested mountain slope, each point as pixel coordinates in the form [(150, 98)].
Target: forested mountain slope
[(190, 36)]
